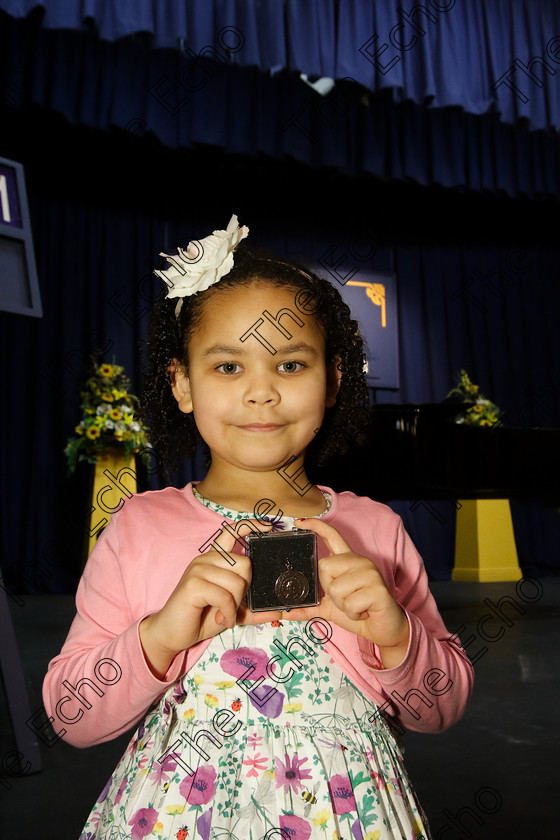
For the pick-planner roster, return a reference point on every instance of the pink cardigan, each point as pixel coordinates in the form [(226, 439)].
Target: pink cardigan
[(139, 560)]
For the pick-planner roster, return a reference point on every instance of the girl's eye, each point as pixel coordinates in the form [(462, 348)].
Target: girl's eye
[(291, 367), (229, 367)]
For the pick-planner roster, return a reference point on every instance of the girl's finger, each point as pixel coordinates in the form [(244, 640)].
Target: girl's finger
[(335, 542), (224, 540), (307, 613), (210, 593), (234, 581)]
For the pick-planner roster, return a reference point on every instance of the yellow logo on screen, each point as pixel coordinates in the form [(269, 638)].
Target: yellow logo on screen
[(376, 293)]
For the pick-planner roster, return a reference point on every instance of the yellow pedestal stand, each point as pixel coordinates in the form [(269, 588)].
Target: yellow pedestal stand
[(113, 483), (484, 542)]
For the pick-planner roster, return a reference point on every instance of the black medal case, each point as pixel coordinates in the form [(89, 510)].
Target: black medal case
[(285, 574)]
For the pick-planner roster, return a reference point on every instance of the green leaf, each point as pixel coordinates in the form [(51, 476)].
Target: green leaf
[(359, 779), (368, 805)]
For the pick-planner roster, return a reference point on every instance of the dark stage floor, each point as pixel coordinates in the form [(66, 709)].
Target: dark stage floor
[(493, 775)]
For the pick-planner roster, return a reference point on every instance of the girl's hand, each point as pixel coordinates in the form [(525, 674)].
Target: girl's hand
[(356, 597), (205, 601)]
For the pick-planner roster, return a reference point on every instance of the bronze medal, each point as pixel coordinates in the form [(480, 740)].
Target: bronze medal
[(291, 587)]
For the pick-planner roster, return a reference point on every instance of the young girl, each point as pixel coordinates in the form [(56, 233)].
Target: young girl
[(254, 724)]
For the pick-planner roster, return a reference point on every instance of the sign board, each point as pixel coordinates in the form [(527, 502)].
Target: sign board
[(372, 298), (19, 288)]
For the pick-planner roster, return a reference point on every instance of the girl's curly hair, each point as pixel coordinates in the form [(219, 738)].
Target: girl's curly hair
[(175, 435)]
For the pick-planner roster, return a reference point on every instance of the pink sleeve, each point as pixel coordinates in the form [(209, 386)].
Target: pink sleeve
[(430, 689), (100, 684)]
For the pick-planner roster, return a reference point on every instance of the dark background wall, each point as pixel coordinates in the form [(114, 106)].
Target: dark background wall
[(462, 207)]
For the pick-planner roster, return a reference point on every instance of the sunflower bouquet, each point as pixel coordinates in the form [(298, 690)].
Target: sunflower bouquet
[(108, 418), (478, 410)]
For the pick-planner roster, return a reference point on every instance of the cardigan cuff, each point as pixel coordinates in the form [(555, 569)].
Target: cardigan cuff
[(371, 654), (140, 666)]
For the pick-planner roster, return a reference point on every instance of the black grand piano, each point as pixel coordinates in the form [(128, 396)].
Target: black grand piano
[(417, 451)]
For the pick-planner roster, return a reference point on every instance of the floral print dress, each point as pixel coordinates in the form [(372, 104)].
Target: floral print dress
[(229, 752), (308, 758)]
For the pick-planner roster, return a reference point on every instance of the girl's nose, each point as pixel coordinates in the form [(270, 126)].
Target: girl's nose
[(261, 389)]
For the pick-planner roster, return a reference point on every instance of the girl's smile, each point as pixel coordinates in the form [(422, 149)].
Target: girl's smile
[(261, 427)]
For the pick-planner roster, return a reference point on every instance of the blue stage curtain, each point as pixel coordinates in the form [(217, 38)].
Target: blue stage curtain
[(481, 55), (188, 103), (493, 311), (92, 252)]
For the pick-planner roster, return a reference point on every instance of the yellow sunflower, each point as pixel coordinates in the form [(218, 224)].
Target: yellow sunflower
[(106, 370), (107, 396), (115, 414), (93, 432)]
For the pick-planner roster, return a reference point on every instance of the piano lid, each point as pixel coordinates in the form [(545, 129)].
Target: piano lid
[(417, 451)]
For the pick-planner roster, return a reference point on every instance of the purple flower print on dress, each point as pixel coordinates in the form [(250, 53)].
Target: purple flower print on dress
[(291, 773), (103, 795), (265, 698), (120, 791), (342, 795), (133, 745), (273, 700), (161, 769), (294, 827), (357, 831), (143, 823), (237, 662), (203, 824), (179, 693), (199, 789)]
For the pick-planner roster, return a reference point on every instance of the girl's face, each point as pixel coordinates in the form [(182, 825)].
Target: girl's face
[(254, 408)]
